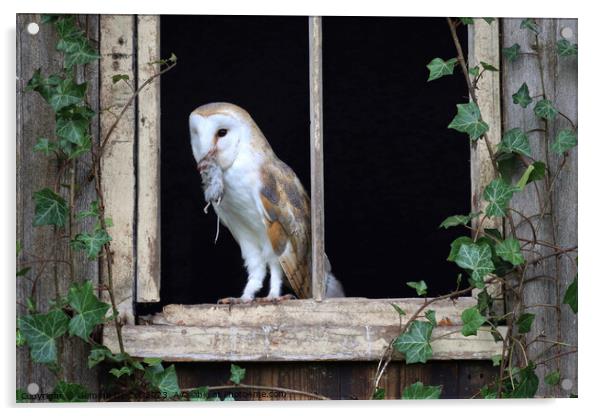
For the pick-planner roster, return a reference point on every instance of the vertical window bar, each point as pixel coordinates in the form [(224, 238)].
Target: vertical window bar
[(317, 157)]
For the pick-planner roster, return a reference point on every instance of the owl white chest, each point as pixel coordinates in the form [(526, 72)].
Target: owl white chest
[(240, 210)]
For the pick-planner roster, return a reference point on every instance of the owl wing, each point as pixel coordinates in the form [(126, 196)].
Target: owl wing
[(287, 217)]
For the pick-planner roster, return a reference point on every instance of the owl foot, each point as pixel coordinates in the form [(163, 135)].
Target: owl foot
[(277, 299), (234, 301)]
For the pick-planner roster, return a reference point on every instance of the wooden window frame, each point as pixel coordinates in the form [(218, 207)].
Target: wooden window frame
[(318, 329)]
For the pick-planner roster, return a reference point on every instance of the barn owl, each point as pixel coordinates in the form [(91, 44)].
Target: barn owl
[(259, 199)]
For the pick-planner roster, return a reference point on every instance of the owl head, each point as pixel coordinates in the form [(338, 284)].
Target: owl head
[(223, 130)]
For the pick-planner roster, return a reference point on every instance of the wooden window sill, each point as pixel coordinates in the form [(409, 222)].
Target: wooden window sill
[(347, 329)]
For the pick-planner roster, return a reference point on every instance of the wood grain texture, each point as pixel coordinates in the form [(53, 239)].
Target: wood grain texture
[(117, 165), (348, 329), (36, 171), (340, 380), (560, 81), (317, 157), (148, 224)]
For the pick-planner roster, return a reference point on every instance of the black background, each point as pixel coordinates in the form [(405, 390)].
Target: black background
[(393, 171)]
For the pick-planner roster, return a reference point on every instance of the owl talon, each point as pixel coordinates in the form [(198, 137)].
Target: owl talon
[(233, 301), (278, 299)]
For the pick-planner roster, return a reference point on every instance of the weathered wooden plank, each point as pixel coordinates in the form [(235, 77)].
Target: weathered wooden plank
[(148, 224), (359, 312), (560, 82), (289, 342), (36, 171), (117, 165), (317, 157)]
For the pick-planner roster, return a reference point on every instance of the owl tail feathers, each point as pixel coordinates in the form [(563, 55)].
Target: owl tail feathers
[(334, 288)]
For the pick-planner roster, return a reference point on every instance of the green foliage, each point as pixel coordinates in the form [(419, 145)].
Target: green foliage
[(22, 396), (455, 220), (93, 211), (118, 372), (570, 296), (163, 380), (19, 338), (91, 243), (439, 68), (379, 394), (41, 331), (45, 146), (50, 209), (90, 311), (529, 24), (538, 172), (420, 287), (69, 392), (484, 301), (566, 139), (526, 385), (200, 394), (522, 182), (524, 322), (237, 374), (98, 353), (477, 259), (496, 360), (553, 378), (472, 320), (498, 193), (455, 247), (466, 20), (545, 109), (399, 311), (515, 141), (522, 97), (468, 120), (488, 67), (566, 48), (510, 251), (120, 77), (419, 391), (511, 53), (73, 43), (415, 342), (431, 317)]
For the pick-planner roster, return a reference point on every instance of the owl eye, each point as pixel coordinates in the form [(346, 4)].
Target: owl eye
[(222, 132)]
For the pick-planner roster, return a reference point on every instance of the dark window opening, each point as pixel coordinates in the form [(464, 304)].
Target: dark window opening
[(393, 170)]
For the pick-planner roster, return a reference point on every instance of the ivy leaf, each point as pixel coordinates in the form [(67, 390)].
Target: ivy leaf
[(476, 258), (237, 374), (455, 247), (538, 172), (509, 250), (22, 396), (522, 96), (515, 141), (399, 311), (23, 271), (45, 146), (69, 392), (455, 220), (40, 331), (419, 391), (120, 77), (123, 371), (496, 359), (529, 24), (472, 320), (566, 48), (415, 343), (41, 85), (466, 20), (545, 109), (93, 211), (67, 92), (90, 311), (487, 393), (200, 394), (570, 296), (165, 381), (91, 243), (552, 378), (468, 120), (51, 209), (484, 301), (152, 361), (474, 71), (98, 353), (419, 286), (524, 322), (527, 386), (379, 394), (488, 19), (524, 179), (74, 129), (566, 139), (488, 67), (20, 339), (77, 49), (439, 68), (498, 193), (512, 52), (431, 317)]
